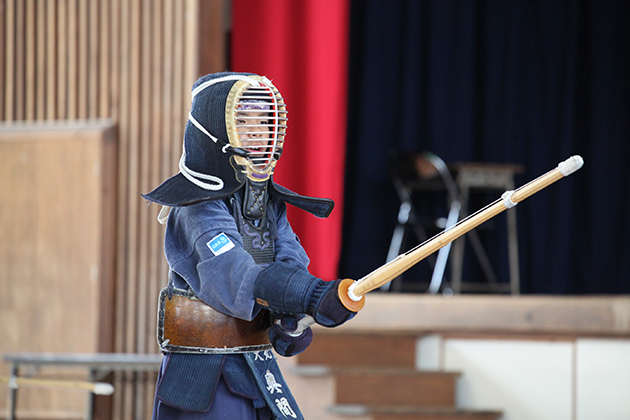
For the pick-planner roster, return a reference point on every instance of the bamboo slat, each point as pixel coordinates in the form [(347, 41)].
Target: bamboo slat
[(119, 31), (72, 76), (29, 67), (61, 70), (40, 90), (156, 270), (20, 61), (93, 63), (9, 60), (51, 60), (169, 94), (3, 19), (145, 134), (83, 56), (132, 175), (125, 291), (105, 59)]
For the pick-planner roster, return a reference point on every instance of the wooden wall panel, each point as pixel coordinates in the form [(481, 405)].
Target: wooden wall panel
[(56, 256), (132, 62)]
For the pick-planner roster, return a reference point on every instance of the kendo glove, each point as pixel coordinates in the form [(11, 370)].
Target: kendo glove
[(290, 336), (327, 309), (287, 289)]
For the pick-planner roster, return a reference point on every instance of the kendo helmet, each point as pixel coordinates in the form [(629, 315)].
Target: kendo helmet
[(235, 130)]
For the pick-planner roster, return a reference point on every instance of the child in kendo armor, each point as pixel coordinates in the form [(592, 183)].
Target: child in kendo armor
[(230, 248)]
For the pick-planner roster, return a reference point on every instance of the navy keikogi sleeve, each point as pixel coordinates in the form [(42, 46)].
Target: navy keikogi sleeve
[(224, 277)]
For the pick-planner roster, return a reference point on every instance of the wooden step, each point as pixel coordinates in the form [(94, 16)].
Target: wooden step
[(353, 350), (373, 376), (392, 386), (412, 413)]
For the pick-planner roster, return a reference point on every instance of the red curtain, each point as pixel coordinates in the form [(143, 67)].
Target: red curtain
[(302, 46)]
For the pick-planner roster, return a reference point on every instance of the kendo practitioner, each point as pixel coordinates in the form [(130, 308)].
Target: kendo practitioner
[(230, 247)]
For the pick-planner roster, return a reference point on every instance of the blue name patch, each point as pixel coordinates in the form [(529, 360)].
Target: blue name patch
[(220, 244)]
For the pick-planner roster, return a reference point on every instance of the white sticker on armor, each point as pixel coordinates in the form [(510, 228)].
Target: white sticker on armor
[(220, 244)]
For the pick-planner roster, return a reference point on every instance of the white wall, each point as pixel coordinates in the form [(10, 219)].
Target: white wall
[(586, 379), (603, 379)]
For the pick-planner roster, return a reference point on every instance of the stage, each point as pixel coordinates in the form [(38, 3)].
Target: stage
[(577, 316), (508, 357)]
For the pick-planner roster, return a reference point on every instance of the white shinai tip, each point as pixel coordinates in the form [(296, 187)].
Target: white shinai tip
[(571, 165), (102, 388)]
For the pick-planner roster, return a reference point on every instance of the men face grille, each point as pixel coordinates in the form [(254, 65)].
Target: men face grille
[(261, 125)]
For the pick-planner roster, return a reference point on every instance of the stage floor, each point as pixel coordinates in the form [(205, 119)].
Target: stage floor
[(584, 316)]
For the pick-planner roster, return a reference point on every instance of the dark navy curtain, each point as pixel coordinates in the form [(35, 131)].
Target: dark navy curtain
[(525, 82)]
